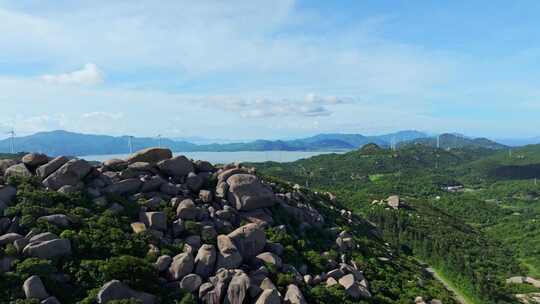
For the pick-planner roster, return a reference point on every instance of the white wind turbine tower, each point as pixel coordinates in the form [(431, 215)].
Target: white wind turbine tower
[(438, 147), (12, 137), (159, 140), (130, 144)]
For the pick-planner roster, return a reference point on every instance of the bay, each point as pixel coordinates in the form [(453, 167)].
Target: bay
[(229, 157)]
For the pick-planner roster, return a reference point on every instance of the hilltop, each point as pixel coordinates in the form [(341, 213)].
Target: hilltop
[(154, 228), (453, 141)]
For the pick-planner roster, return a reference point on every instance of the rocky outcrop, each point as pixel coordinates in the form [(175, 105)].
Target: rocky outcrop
[(218, 216)]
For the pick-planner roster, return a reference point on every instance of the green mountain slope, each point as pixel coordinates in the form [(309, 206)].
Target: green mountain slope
[(448, 230)]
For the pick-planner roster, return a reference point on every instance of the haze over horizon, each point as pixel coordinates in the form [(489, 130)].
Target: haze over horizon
[(272, 69)]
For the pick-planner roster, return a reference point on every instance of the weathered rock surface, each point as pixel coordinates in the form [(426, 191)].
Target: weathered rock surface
[(125, 187), (294, 295), (48, 249), (7, 193), (177, 166), (60, 220), (248, 193), (249, 239), (181, 266), (9, 238), (18, 170), (191, 282), (269, 296), (228, 257), (116, 290), (42, 237), (34, 289), (156, 220), (187, 210), (71, 173), (34, 160), (238, 287), (150, 155), (48, 168), (205, 260)]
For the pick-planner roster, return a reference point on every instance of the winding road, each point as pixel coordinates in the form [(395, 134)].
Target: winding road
[(457, 294)]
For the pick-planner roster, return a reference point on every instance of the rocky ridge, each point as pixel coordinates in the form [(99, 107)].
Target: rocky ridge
[(221, 217)]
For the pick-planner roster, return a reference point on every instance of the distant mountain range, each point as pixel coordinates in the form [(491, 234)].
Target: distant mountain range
[(515, 142), (69, 143)]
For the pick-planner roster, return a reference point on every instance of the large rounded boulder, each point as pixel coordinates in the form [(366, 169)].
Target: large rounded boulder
[(250, 240), (247, 192), (178, 166), (70, 174), (150, 155)]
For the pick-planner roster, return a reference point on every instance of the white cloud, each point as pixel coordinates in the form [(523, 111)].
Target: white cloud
[(102, 116), (310, 106), (90, 74), (254, 44)]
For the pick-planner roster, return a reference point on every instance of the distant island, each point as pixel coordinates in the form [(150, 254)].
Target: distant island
[(62, 142)]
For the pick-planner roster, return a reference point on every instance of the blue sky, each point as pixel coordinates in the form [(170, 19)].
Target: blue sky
[(270, 69)]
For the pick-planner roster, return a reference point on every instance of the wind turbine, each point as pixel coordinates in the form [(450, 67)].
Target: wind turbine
[(159, 140), (12, 137), (130, 144)]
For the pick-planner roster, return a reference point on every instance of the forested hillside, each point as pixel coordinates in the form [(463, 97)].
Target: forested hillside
[(457, 212)]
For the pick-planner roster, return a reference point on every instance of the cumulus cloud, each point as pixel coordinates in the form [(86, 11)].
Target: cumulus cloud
[(310, 106), (102, 116), (90, 74)]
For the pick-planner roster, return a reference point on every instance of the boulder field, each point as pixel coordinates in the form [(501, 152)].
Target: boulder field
[(227, 260)]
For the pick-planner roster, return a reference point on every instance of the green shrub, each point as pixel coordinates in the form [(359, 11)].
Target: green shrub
[(284, 279), (125, 301), (35, 266), (188, 298), (27, 301), (192, 228), (135, 272)]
